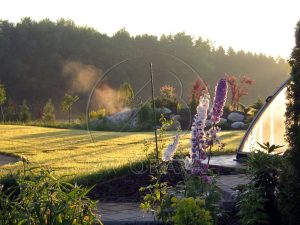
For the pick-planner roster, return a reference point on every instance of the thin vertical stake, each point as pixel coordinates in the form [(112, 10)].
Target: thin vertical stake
[(154, 112)]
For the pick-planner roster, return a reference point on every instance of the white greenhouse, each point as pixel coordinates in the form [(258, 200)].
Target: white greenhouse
[(268, 125)]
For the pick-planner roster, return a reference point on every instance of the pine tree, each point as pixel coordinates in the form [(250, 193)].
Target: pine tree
[(25, 114), (290, 178)]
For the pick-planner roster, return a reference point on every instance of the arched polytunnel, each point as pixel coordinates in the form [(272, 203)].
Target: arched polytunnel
[(268, 125)]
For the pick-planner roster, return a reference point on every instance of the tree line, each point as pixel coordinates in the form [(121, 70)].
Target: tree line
[(33, 55)]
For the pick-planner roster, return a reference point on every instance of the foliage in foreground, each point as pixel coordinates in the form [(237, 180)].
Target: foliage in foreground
[(259, 199), (195, 199), (39, 198), (191, 211), (289, 180)]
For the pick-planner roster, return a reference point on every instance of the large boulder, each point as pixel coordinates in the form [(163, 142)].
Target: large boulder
[(235, 117), (208, 123), (163, 110), (127, 115), (223, 121), (238, 125)]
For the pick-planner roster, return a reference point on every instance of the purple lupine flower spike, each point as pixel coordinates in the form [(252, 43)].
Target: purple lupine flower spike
[(219, 101)]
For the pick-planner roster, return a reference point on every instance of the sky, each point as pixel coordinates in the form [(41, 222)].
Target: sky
[(259, 26)]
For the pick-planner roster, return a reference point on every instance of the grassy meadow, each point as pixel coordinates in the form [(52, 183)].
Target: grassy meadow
[(87, 157)]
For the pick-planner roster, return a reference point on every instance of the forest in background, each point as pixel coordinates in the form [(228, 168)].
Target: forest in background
[(46, 59)]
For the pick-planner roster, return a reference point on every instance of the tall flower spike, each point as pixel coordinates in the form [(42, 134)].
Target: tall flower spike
[(198, 137), (171, 149), (219, 101)]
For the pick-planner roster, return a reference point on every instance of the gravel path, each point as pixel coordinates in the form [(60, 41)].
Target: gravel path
[(7, 159)]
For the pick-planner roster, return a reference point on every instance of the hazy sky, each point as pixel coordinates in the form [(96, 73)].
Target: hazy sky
[(262, 26)]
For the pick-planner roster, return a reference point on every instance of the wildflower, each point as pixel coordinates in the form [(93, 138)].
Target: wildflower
[(171, 149), (201, 139), (219, 101), (198, 137), (187, 163)]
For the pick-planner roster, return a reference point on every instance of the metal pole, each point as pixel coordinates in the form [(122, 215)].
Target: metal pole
[(154, 112)]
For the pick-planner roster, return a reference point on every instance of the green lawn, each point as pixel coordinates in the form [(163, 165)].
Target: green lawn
[(88, 157)]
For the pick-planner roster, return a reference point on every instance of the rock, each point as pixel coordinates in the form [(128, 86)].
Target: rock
[(223, 121), (238, 125), (164, 110), (175, 117), (208, 123), (235, 117), (127, 115), (121, 116)]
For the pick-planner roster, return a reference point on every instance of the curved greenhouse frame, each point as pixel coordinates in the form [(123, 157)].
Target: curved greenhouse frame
[(268, 125)]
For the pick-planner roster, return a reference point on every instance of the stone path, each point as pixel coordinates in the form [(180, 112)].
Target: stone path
[(228, 188), (124, 213), (130, 213), (6, 159), (226, 161)]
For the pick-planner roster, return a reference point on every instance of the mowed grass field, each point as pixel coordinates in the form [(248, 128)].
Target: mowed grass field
[(87, 157)]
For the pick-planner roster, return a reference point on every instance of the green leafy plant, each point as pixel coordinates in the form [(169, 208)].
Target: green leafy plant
[(269, 148), (196, 187), (156, 198), (251, 206), (190, 211), (39, 198), (262, 192)]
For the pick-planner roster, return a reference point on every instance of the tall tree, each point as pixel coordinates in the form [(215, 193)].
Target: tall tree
[(2, 99), (25, 114), (67, 103), (48, 112), (32, 52), (290, 177), (126, 94), (239, 88)]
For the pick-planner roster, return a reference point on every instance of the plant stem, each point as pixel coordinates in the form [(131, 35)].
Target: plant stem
[(154, 112)]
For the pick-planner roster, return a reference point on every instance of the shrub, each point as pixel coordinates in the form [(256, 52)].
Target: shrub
[(99, 114), (190, 211), (41, 199), (145, 117), (258, 202), (251, 206)]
